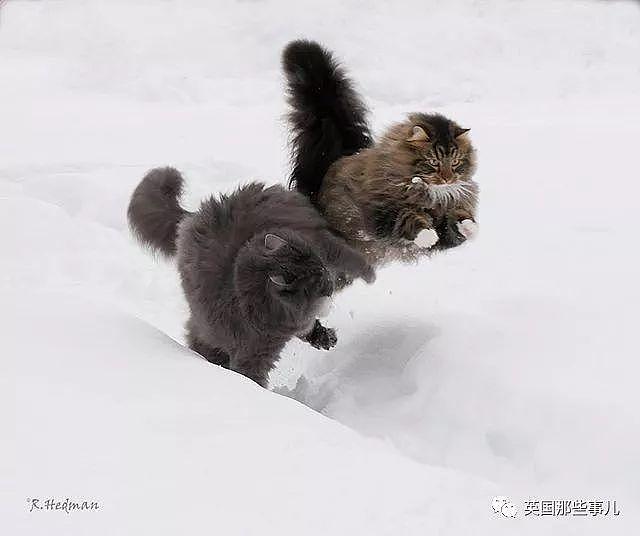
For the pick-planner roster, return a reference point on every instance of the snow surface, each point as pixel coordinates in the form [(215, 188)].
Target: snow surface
[(507, 367)]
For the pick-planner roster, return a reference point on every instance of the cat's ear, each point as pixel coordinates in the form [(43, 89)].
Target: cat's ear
[(418, 134), (458, 132), (273, 242)]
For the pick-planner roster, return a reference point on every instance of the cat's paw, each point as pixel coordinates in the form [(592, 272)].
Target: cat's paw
[(426, 238), (321, 337), (325, 339), (450, 236), (416, 182), (468, 229)]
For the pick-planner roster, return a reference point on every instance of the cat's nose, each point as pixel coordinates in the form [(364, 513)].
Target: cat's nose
[(446, 174)]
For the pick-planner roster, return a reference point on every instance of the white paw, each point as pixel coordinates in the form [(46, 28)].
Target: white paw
[(426, 238), (416, 182), (468, 228)]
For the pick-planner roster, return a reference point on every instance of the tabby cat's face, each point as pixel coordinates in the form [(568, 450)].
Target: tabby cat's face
[(444, 154)]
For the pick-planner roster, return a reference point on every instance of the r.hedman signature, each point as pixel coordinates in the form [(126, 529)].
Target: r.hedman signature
[(67, 505)]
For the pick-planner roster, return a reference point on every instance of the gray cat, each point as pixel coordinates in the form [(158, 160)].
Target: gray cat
[(257, 266)]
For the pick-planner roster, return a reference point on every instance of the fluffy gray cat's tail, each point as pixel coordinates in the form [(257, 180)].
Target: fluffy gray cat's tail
[(154, 211)]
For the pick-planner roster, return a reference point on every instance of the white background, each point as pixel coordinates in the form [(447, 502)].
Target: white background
[(506, 367)]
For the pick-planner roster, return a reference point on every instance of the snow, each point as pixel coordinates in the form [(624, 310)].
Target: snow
[(109, 406), (505, 368)]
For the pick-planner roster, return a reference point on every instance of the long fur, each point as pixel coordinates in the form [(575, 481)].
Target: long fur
[(328, 118), (256, 266), (372, 200), (447, 195), (365, 190), (154, 210)]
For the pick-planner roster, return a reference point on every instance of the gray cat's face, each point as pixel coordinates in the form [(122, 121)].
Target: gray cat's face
[(297, 276), (282, 283)]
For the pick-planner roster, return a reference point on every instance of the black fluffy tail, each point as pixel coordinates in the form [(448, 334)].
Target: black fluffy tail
[(154, 212), (328, 118)]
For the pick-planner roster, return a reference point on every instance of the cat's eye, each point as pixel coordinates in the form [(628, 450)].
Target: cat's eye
[(278, 280), (432, 162)]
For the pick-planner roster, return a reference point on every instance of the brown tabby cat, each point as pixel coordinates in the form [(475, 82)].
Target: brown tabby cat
[(392, 199), (416, 178)]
